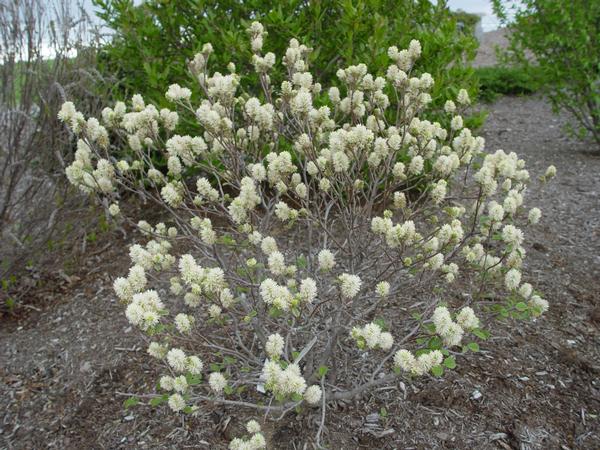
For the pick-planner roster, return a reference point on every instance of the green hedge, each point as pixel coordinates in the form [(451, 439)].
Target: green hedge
[(152, 41), (499, 80)]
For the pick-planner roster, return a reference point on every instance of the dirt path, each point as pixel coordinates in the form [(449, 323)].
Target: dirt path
[(537, 388)]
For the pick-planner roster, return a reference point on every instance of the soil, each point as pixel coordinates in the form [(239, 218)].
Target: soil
[(66, 360)]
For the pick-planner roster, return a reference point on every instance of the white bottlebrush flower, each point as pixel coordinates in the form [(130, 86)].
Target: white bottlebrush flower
[(416, 165), (276, 263), (386, 340), (326, 260), (114, 210), (427, 361), (349, 285), (176, 402), (313, 394), (157, 350), (257, 441), (512, 235), (526, 290), (177, 360), (441, 319), (217, 382), (274, 346), (194, 365), (404, 360), (449, 107), (512, 279), (456, 123), (550, 172), (177, 93), (539, 303), (167, 383), (399, 200), (382, 288), (534, 215), (496, 211), (308, 290), (214, 311), (453, 335), (467, 319), (180, 384), (253, 427), (268, 245), (184, 323), (463, 97)]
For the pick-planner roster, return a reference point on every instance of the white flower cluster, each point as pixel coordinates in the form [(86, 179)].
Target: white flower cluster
[(255, 442), (283, 382), (349, 285), (406, 361), (372, 336), (450, 331)]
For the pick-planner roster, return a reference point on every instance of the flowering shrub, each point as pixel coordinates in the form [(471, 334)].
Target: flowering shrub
[(313, 251)]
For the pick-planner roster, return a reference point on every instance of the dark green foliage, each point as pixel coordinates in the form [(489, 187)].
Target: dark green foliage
[(153, 41), (500, 80), (562, 37)]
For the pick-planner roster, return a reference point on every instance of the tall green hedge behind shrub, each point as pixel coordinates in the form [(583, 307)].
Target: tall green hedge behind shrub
[(152, 41)]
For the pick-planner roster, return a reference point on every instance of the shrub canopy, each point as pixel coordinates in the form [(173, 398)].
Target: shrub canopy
[(152, 41)]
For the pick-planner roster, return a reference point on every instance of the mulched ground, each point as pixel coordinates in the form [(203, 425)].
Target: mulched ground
[(64, 359)]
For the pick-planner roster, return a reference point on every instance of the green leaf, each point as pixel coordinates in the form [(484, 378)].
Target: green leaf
[(301, 262), (438, 371), (435, 343), (379, 321), (156, 401), (383, 412), (481, 334), (323, 371), (215, 367), (192, 379), (450, 362), (521, 306), (473, 346), (131, 401), (430, 328), (274, 312)]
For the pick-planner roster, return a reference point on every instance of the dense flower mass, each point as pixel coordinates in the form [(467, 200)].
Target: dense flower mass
[(311, 230)]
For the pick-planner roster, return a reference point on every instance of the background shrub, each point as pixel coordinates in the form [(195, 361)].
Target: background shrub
[(152, 41), (501, 80), (563, 36)]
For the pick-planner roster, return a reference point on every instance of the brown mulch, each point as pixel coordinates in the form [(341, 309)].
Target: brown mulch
[(534, 386)]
